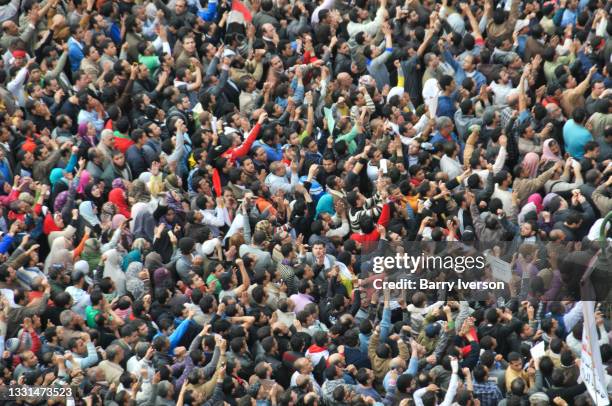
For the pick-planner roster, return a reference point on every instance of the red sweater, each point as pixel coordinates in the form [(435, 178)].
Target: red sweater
[(122, 143), (241, 150), (374, 235)]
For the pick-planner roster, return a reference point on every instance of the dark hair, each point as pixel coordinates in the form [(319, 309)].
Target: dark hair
[(579, 115)]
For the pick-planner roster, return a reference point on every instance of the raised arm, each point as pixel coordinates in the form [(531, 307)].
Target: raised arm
[(522, 101), (246, 281), (584, 85), (476, 33)]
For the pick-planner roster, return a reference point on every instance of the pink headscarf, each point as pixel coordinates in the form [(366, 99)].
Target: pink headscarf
[(536, 199), (83, 132), (531, 162), (83, 181), (118, 219), (547, 154)]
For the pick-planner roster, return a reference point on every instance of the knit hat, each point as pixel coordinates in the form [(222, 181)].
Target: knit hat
[(554, 204), (539, 399), (547, 199), (14, 345), (432, 330)]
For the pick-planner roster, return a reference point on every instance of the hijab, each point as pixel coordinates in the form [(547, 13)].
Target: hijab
[(117, 197), (82, 131), (118, 219), (49, 224), (134, 284), (139, 192), (57, 175), (137, 209), (112, 269), (91, 253), (60, 201), (162, 278), (547, 154), (59, 254), (83, 181), (531, 162), (133, 256), (595, 230), (86, 210), (118, 183), (153, 261), (163, 247), (266, 227), (536, 199), (171, 183), (98, 201)]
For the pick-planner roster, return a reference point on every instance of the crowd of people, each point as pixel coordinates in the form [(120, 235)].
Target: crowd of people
[(193, 192)]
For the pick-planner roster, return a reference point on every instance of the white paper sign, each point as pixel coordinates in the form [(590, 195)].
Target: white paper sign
[(538, 350), (591, 367), (500, 268), (431, 92)]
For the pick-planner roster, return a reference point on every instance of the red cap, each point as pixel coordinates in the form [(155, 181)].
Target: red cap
[(19, 54)]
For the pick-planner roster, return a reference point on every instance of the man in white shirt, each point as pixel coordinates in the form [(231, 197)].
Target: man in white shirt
[(501, 88), (449, 162), (303, 367)]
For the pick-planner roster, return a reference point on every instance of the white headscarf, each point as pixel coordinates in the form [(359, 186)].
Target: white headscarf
[(59, 254), (86, 210), (112, 269)]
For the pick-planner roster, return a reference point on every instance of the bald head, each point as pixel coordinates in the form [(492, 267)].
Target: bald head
[(512, 98), (10, 27), (344, 78), (335, 358), (302, 365)]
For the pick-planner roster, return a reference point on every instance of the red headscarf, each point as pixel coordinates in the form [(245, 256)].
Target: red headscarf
[(117, 197), (49, 225)]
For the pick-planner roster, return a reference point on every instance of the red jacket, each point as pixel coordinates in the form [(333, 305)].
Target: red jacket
[(374, 235), (233, 153)]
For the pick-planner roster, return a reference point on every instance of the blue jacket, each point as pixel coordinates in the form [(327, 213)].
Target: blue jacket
[(177, 334), (273, 154), (75, 54)]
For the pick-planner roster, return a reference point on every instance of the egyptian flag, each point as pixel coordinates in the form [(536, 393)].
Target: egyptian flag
[(240, 13), (217, 182)]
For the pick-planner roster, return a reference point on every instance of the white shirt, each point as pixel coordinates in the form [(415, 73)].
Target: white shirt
[(15, 86), (500, 92), (451, 166), (315, 384), (134, 365), (506, 198), (215, 219)]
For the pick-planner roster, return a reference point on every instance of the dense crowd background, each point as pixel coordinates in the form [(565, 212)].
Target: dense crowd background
[(191, 198)]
